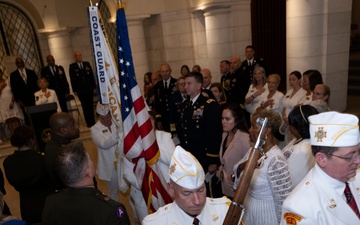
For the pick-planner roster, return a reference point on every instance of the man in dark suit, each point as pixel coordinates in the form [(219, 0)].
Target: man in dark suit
[(83, 85), (201, 129), (163, 91), (251, 61), (55, 75), (23, 84)]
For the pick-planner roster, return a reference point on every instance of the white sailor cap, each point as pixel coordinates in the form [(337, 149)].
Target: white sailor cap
[(185, 170), (102, 109), (334, 129)]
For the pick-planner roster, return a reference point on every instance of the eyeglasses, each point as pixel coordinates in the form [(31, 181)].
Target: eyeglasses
[(350, 159)]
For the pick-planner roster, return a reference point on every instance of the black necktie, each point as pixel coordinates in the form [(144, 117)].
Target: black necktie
[(165, 85), (190, 103), (196, 221)]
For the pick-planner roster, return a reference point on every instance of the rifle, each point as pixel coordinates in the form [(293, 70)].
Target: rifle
[(236, 210)]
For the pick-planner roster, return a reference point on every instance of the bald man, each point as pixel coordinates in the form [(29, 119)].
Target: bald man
[(83, 85), (23, 83), (55, 75), (64, 129), (163, 91)]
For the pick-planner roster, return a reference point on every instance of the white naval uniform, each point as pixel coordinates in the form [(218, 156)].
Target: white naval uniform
[(40, 98), (319, 199), (106, 143), (214, 212)]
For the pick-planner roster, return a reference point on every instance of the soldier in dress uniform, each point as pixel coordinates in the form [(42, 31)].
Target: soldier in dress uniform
[(225, 76), (81, 202), (201, 128), (84, 86), (251, 61), (187, 188), (176, 105), (163, 91), (55, 75), (330, 192)]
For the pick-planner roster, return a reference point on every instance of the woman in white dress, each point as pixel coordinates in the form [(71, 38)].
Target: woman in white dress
[(298, 151), (305, 83), (46, 95), (320, 98), (271, 181), (10, 112), (272, 99), (291, 99), (257, 87)]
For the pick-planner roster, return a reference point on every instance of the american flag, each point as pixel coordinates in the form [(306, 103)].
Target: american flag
[(139, 138)]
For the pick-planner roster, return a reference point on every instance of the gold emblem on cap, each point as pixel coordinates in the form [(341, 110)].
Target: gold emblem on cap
[(172, 168), (320, 134), (292, 218)]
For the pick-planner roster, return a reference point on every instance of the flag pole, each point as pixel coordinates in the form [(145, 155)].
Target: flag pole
[(90, 2)]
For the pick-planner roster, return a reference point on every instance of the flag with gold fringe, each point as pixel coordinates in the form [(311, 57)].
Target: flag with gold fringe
[(140, 145)]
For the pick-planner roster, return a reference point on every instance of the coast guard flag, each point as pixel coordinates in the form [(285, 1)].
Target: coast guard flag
[(106, 67), (139, 138)]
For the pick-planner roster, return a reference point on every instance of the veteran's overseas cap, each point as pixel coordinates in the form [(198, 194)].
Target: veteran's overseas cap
[(102, 109), (185, 170), (334, 129)]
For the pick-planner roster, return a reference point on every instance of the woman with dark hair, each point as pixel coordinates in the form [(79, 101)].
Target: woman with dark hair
[(184, 70), (235, 143), (147, 84), (26, 172), (298, 151), (46, 95), (271, 181), (218, 93), (291, 99)]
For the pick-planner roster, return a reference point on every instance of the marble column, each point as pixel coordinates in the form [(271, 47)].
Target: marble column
[(318, 37), (218, 37), (138, 47)]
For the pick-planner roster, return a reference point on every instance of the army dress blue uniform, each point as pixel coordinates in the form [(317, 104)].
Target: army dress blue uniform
[(176, 101), (162, 101), (86, 205), (201, 132)]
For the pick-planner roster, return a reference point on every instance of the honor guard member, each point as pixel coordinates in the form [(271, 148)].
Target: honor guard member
[(163, 91), (187, 188), (330, 192), (201, 129), (81, 202), (250, 62), (55, 75)]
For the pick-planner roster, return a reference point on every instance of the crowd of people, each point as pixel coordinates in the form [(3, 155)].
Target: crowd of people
[(206, 132), (25, 88)]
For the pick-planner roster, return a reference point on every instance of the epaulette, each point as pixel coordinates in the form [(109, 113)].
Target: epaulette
[(210, 100), (220, 201), (159, 213)]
